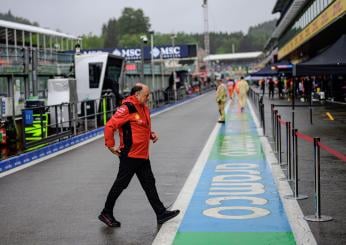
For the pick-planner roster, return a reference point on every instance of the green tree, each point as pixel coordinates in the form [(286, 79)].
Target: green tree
[(130, 41), (110, 34), (91, 41), (133, 21)]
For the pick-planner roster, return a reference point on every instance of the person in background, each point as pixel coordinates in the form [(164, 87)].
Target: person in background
[(271, 86), (280, 87), (242, 88), (221, 98), (262, 86), (132, 120), (230, 88)]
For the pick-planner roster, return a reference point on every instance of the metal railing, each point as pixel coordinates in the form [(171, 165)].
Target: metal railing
[(21, 60), (44, 125), (49, 124), (293, 163), (292, 159)]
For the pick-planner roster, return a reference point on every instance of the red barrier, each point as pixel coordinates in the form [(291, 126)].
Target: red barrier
[(305, 137), (337, 154)]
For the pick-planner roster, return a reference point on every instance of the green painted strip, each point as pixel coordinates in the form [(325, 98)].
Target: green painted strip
[(229, 147), (239, 238)]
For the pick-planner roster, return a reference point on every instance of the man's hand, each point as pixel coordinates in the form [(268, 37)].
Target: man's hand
[(154, 137), (115, 150)]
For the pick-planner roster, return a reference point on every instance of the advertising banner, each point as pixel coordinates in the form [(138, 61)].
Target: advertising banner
[(159, 52)]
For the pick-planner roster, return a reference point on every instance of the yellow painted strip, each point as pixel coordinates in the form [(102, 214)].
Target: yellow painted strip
[(334, 11), (330, 116)]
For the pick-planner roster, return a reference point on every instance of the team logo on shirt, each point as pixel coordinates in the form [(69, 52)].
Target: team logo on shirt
[(121, 111)]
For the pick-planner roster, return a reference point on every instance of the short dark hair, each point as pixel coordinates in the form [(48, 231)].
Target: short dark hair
[(135, 89), (241, 77)]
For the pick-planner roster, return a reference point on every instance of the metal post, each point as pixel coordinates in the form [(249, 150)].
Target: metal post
[(296, 195), (41, 123), (272, 115), (61, 119), (34, 64), (279, 141), (85, 117), (23, 129), (263, 118), (104, 110), (74, 118), (95, 112), (56, 119), (277, 136), (276, 130), (288, 153), (317, 216), (69, 115), (293, 153), (288, 149), (274, 124), (293, 101)]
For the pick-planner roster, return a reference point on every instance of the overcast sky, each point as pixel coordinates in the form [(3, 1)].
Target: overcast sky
[(84, 16)]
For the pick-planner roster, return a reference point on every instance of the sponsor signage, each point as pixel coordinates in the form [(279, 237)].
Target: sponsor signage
[(159, 52), (334, 11)]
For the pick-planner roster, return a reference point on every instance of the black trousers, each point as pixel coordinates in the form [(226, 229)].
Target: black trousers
[(127, 168), (271, 93)]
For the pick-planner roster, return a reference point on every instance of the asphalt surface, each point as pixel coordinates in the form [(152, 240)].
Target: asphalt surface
[(333, 170), (58, 200)]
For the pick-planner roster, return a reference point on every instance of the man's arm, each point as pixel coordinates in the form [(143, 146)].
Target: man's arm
[(120, 117)]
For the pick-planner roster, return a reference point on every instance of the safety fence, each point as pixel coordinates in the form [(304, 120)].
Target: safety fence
[(279, 125), (292, 160)]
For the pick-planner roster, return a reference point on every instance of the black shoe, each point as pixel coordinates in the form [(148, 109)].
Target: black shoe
[(109, 220), (221, 121), (167, 215)]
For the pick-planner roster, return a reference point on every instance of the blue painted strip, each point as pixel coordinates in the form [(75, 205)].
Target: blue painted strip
[(237, 147)]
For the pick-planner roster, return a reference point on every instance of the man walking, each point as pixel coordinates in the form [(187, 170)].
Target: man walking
[(221, 97), (271, 87), (242, 89), (132, 120)]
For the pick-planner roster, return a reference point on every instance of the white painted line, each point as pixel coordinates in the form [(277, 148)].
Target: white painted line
[(300, 227), (16, 169), (26, 165), (168, 230)]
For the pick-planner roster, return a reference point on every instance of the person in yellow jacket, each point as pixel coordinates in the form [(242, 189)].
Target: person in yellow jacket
[(242, 89), (221, 98)]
